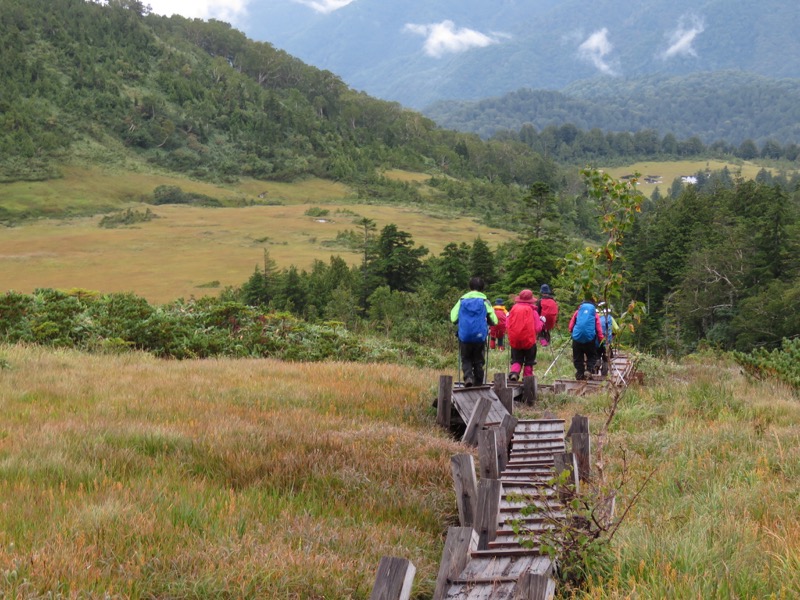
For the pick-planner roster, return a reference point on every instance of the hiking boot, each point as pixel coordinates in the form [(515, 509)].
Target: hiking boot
[(579, 376), (468, 382), (513, 377)]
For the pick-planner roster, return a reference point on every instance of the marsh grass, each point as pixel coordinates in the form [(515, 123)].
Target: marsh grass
[(126, 476), (176, 255), (720, 517), (133, 477)]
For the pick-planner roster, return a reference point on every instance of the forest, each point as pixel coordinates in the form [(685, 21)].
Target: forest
[(714, 263)]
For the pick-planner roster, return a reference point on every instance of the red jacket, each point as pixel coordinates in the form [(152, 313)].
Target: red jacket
[(522, 325)]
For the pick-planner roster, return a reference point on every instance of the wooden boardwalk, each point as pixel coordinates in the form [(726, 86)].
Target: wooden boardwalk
[(499, 561), (495, 553)]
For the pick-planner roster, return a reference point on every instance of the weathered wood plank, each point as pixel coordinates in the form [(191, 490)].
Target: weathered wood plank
[(444, 401), (460, 541), (489, 492), (532, 586), (462, 467), (394, 579), (487, 454), (476, 421)]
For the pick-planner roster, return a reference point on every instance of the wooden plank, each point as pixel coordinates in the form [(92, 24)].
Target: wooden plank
[(476, 421), (462, 467), (460, 541), (581, 448), (502, 447), (394, 579), (532, 586), (566, 461), (506, 396), (580, 424), (529, 390), (499, 383), (487, 454), (444, 401), (489, 492)]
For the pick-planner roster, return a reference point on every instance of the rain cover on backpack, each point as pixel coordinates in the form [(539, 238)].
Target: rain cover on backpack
[(585, 329), (472, 326)]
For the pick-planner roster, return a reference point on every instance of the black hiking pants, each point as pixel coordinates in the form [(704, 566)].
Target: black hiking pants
[(584, 357), (473, 360)]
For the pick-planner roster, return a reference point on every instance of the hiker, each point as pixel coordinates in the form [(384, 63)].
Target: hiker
[(473, 314), (609, 327), (548, 308), (522, 326), (497, 333), (584, 326)]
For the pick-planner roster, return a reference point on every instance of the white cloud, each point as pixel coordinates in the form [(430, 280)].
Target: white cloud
[(680, 40), (230, 11), (325, 6), (595, 49), (445, 37)]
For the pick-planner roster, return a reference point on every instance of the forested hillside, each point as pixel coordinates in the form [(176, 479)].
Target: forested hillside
[(107, 84), (729, 106)]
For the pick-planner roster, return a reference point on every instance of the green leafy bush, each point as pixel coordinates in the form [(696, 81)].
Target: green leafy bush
[(782, 363)]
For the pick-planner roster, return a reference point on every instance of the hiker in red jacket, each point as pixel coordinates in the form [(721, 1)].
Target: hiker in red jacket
[(548, 308), (497, 333), (522, 325)]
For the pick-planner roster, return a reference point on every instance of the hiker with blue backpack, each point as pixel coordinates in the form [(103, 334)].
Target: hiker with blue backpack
[(587, 333), (473, 313), (609, 326)]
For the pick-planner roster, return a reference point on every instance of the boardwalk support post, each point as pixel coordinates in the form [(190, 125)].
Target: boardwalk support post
[(578, 434), (489, 492), (566, 461), (455, 556), (476, 421), (529, 389), (532, 586), (394, 579), (444, 401), (463, 469), (487, 454), (506, 396)]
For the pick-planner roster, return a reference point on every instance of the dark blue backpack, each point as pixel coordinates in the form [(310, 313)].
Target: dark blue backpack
[(585, 328), (606, 325), (472, 326)]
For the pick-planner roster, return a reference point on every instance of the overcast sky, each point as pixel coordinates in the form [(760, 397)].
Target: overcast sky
[(234, 11)]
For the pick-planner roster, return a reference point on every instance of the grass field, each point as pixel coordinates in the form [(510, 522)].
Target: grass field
[(126, 476), (187, 247), (669, 171)]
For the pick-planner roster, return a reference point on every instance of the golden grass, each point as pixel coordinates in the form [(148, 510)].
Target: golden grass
[(129, 476), (670, 170), (719, 519), (187, 247)]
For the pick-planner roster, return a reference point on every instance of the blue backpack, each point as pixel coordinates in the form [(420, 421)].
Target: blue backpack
[(472, 326), (585, 328), (606, 325)]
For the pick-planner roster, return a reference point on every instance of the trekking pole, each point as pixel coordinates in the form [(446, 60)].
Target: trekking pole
[(560, 352)]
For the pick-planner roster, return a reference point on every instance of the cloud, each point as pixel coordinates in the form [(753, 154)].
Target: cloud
[(595, 49), (680, 40), (229, 11), (325, 6), (443, 38)]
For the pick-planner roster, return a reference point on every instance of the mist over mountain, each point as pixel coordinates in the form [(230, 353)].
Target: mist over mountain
[(417, 52)]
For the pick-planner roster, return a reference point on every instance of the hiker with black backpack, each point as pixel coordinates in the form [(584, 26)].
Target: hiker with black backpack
[(584, 326), (473, 314)]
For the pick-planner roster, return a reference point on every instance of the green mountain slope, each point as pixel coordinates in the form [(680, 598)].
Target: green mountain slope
[(729, 106)]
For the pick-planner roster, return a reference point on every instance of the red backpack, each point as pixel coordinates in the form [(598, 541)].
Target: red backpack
[(499, 330), (522, 326)]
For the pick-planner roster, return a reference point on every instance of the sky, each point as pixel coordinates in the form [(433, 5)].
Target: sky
[(447, 37)]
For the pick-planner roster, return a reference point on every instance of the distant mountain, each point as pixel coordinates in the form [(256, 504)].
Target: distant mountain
[(729, 105), (417, 52)]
